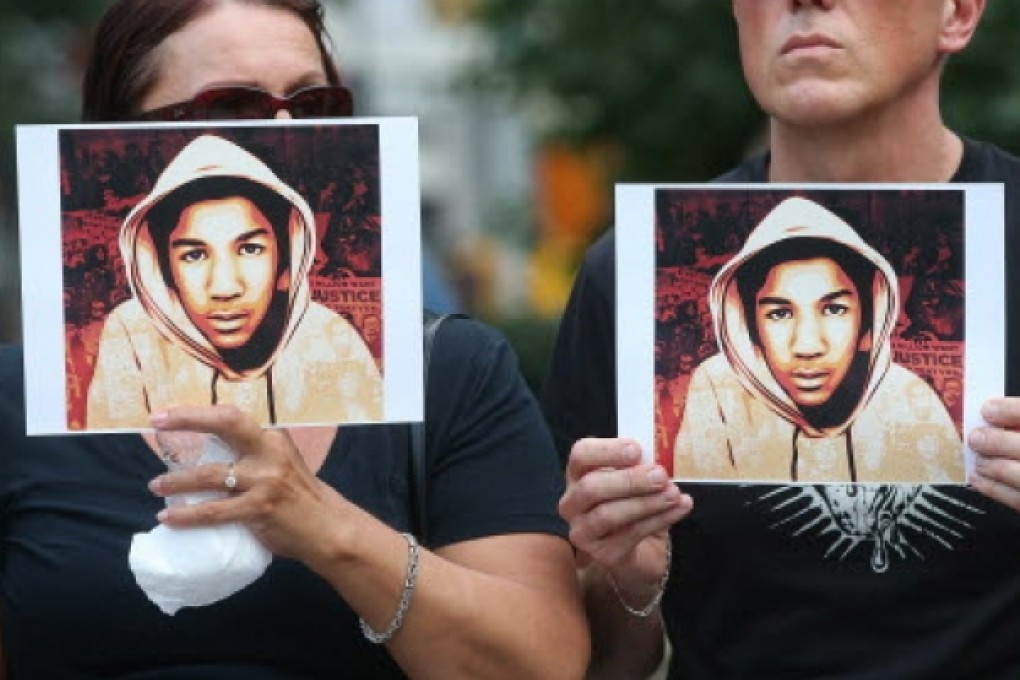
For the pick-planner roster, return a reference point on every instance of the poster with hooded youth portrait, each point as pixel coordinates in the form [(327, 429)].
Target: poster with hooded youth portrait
[(270, 265), (809, 334)]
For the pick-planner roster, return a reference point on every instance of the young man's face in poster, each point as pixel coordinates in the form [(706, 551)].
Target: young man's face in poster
[(224, 259), (808, 315)]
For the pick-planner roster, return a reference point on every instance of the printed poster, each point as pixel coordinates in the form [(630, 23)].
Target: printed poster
[(255, 264), (809, 334)]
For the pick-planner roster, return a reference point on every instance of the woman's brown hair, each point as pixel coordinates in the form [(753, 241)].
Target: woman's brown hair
[(123, 61)]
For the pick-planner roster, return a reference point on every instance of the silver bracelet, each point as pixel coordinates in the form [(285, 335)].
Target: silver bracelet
[(645, 612), (405, 597)]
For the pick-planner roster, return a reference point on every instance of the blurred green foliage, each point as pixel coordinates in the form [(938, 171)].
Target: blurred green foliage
[(659, 80), (39, 42), (981, 86)]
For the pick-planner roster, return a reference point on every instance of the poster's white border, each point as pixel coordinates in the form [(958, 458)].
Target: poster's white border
[(984, 267), (42, 277)]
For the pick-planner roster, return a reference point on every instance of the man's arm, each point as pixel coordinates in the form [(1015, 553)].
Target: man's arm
[(620, 512), (579, 394)]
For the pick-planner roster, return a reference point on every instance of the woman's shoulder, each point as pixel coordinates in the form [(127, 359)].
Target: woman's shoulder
[(463, 347), (12, 368), (12, 388)]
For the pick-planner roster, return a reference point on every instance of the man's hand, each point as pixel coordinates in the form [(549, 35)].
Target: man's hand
[(620, 510), (997, 445)]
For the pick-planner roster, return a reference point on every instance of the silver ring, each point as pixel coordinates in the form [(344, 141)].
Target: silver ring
[(231, 480)]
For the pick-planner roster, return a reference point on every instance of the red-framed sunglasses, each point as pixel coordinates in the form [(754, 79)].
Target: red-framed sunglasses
[(237, 102)]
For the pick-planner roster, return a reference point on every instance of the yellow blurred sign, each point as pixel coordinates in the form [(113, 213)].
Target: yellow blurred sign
[(453, 11)]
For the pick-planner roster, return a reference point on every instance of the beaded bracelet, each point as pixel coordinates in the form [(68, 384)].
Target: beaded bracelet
[(657, 598), (405, 597)]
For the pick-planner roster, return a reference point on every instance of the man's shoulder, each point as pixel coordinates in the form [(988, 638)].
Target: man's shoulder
[(601, 255), (751, 171), (599, 266), (985, 162)]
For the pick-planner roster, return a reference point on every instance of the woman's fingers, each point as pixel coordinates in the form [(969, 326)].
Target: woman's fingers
[(240, 431)]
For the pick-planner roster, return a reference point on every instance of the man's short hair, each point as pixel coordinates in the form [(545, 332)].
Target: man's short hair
[(164, 215), (750, 276)]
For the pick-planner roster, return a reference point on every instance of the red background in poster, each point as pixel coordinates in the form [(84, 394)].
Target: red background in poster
[(920, 233), (104, 173)]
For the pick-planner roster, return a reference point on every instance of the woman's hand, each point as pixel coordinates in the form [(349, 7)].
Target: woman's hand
[(464, 618), (286, 506)]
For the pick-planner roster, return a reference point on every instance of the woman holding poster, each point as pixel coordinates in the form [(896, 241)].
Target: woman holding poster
[(486, 589)]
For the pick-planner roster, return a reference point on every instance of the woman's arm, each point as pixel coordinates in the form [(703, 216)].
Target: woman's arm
[(3, 659), (497, 607)]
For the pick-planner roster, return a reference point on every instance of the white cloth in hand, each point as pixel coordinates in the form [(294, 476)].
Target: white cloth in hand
[(197, 566)]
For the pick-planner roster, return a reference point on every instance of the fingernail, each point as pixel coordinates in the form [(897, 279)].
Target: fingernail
[(159, 418), (631, 452), (657, 476), (991, 410), (978, 438), (161, 515), (155, 483)]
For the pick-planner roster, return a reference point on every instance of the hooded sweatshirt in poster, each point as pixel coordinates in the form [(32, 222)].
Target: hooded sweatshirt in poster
[(170, 344), (750, 416)]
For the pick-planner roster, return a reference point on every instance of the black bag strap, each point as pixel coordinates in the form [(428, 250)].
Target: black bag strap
[(419, 459)]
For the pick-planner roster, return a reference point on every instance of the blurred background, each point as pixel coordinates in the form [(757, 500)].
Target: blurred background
[(529, 111)]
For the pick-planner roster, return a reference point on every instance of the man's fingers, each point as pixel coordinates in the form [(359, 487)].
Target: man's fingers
[(607, 484), (593, 454), (995, 442), (999, 479), (1002, 412), (615, 549), (613, 517)]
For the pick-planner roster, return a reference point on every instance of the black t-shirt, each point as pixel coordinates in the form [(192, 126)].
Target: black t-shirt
[(818, 581), (69, 506)]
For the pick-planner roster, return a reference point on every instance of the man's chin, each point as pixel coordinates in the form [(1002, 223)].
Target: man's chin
[(815, 104)]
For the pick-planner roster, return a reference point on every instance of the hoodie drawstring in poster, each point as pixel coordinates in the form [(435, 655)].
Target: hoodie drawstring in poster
[(851, 465)]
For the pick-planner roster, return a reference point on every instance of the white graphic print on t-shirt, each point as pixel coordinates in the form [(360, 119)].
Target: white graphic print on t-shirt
[(895, 519)]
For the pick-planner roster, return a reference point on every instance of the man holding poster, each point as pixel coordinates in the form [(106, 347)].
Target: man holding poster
[(217, 257), (848, 581)]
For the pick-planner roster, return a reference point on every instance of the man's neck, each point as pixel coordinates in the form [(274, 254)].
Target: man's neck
[(902, 145)]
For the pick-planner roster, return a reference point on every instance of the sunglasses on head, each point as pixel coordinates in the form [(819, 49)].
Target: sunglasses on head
[(237, 102)]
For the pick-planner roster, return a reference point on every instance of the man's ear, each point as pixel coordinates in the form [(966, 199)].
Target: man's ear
[(959, 21), (864, 344)]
